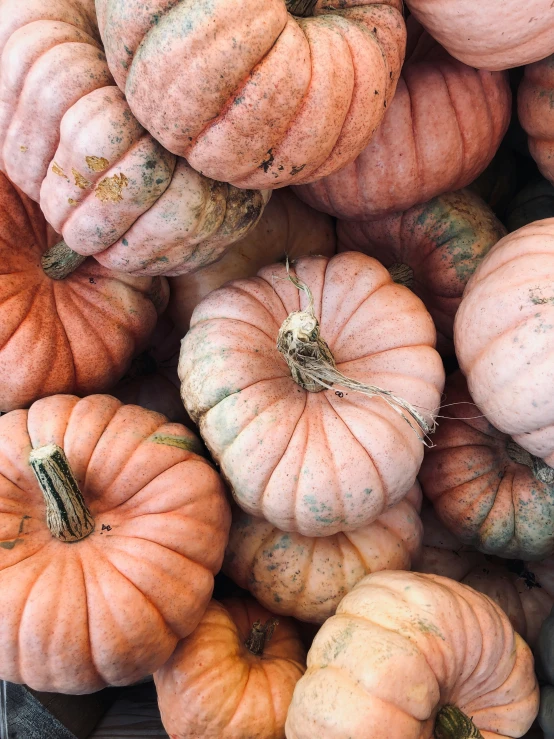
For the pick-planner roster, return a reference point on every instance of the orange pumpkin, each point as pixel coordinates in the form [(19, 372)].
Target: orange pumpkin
[(411, 656), (536, 114), (233, 677), (111, 531), (432, 248), (310, 457)]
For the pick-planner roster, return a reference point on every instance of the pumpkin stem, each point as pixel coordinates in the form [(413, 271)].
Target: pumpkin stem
[(60, 261), (541, 471), (67, 515), (451, 723), (260, 635), (301, 8), (402, 274)]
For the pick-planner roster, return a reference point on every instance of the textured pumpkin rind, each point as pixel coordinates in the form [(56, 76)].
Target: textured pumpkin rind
[(536, 113)]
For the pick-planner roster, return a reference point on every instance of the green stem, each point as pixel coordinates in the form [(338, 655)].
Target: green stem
[(451, 723), (60, 261), (541, 471)]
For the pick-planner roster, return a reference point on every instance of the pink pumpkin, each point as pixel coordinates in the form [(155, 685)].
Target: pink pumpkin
[(536, 113)]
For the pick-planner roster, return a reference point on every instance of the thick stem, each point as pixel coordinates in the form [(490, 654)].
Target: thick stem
[(402, 274), (541, 471), (451, 723), (260, 635), (301, 8), (67, 515), (60, 261)]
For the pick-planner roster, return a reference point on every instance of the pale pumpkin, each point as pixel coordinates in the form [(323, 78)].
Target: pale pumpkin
[(111, 531), (411, 656), (307, 458), (534, 203), (504, 339), (440, 132), (536, 113), (432, 248), (307, 578), (483, 486), (233, 677), (287, 227), (73, 335)]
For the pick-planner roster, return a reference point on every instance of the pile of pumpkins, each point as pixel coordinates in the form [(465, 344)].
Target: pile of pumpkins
[(274, 300)]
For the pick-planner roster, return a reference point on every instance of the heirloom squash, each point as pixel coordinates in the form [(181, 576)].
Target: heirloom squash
[(233, 677), (536, 113), (260, 98), (310, 457), (107, 556)]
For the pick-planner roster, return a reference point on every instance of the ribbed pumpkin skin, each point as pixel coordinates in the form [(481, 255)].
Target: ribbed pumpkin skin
[(442, 241), (108, 609), (487, 36), (536, 113), (307, 578), (315, 463), (213, 687), (76, 335), (258, 98), (479, 492), (546, 663), (287, 227), (401, 646), (442, 129), (504, 339)]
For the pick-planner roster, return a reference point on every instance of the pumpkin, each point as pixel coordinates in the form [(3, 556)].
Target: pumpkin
[(284, 91), (442, 129), (536, 114), (233, 677), (478, 34), (412, 656), (111, 531), (287, 227), (483, 486), (310, 457), (307, 578), (68, 139), (546, 665), (432, 248), (534, 203), (503, 338), (73, 335)]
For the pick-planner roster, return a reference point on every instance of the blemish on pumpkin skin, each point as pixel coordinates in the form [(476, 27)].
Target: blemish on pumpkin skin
[(97, 164), (71, 201), (110, 188), (9, 545), (80, 180), (23, 148), (56, 169)]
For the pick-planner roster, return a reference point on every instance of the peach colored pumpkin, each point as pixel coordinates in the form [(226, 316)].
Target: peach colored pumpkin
[(233, 677), (307, 578), (260, 97), (107, 564), (76, 335), (483, 486), (442, 129), (504, 337), (401, 651), (68, 138), (440, 242), (487, 35), (536, 113), (288, 227), (323, 460)]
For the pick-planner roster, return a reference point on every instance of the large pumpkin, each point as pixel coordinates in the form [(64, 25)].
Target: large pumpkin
[(484, 487), (288, 227), (233, 677), (442, 129), (74, 335), (433, 248), (68, 138), (283, 91), (310, 457), (486, 35), (410, 656), (504, 338), (111, 532), (536, 113), (298, 576)]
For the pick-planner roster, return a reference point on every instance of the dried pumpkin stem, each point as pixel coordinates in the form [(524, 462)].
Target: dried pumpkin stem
[(541, 471), (60, 261), (301, 8), (451, 723), (260, 635), (402, 274), (67, 515)]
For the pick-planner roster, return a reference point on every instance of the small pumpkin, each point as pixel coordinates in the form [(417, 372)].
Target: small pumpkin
[(534, 203), (440, 132), (284, 91), (504, 340), (288, 227), (311, 456), (307, 578), (412, 656), (432, 248), (111, 531), (536, 114), (233, 677), (545, 661)]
